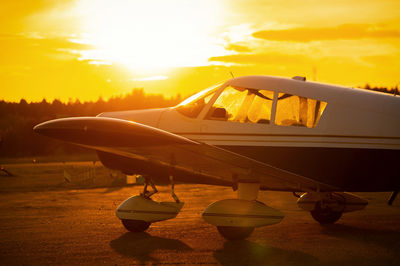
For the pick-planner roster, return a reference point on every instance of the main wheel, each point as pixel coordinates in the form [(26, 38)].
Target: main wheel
[(235, 232), (325, 215), (135, 225)]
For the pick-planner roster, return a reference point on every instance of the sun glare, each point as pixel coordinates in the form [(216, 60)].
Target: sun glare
[(152, 34)]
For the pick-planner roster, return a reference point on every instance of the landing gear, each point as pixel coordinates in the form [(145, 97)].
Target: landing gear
[(328, 207), (135, 226), (236, 219), (325, 215), (147, 194), (137, 213), (235, 232)]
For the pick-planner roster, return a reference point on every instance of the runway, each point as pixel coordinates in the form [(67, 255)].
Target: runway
[(79, 226)]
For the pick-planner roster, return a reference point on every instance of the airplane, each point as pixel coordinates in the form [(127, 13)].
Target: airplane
[(251, 133)]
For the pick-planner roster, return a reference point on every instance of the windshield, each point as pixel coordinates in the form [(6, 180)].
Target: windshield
[(193, 105), (199, 95), (242, 105)]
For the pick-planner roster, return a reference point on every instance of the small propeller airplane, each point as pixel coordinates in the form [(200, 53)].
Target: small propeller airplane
[(250, 133)]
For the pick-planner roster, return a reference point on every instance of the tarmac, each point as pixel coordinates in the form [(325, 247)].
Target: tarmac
[(78, 226)]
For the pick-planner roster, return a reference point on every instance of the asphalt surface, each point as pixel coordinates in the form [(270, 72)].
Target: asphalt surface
[(79, 226)]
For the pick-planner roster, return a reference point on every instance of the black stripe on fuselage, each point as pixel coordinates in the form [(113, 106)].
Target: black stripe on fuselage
[(283, 135), (320, 142), (351, 169)]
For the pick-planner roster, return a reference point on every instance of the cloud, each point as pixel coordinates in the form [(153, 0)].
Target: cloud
[(262, 58), (21, 50), (237, 48), (14, 14), (341, 32)]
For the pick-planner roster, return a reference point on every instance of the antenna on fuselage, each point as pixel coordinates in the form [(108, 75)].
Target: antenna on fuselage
[(231, 74), (314, 71)]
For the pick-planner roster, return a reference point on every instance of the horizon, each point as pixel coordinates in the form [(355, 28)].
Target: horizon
[(80, 49), (100, 98), (177, 96)]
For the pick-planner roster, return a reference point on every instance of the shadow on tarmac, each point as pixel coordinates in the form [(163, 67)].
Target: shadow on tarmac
[(383, 238), (141, 246), (243, 252), (386, 239)]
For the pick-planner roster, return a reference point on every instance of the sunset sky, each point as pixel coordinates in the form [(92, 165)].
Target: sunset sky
[(85, 49)]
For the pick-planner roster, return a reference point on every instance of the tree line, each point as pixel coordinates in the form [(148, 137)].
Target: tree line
[(18, 119), (394, 90)]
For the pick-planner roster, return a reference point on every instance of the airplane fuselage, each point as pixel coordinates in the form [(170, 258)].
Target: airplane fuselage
[(353, 143)]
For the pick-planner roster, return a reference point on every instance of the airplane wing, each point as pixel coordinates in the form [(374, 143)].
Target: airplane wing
[(138, 141)]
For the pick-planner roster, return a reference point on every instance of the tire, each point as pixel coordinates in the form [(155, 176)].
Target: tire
[(135, 225), (234, 232), (325, 216)]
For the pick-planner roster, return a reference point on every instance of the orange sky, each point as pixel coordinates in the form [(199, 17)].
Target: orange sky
[(85, 49)]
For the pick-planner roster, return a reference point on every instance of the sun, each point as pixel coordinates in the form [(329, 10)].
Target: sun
[(151, 34)]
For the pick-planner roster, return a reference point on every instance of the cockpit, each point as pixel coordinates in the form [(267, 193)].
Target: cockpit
[(248, 105)]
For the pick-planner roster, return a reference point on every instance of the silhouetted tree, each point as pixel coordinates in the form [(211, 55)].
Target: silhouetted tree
[(18, 119)]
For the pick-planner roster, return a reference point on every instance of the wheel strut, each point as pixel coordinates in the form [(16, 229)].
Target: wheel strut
[(147, 194), (171, 180), (392, 197)]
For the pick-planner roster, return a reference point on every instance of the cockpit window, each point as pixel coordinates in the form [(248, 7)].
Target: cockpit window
[(247, 105), (299, 111), (260, 109), (193, 105), (228, 104), (242, 105)]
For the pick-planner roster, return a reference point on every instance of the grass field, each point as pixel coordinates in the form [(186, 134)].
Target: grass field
[(43, 174)]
